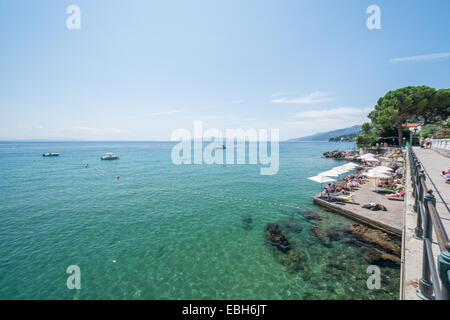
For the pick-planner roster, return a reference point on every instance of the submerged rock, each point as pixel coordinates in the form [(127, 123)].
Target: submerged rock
[(276, 238), (376, 256), (246, 218), (247, 221), (321, 234), (377, 245), (375, 237), (311, 216), (327, 235), (286, 255), (290, 225), (294, 261)]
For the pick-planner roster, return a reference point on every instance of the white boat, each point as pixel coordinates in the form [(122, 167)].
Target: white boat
[(50, 154), (221, 146), (109, 156)]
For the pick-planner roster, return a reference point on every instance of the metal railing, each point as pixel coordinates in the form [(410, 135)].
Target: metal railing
[(442, 146), (435, 282)]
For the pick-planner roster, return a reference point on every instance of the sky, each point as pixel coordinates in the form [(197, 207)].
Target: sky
[(139, 70)]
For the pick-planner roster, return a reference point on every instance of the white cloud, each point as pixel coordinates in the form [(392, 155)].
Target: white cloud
[(311, 98), (154, 114), (280, 94), (425, 57), (31, 126)]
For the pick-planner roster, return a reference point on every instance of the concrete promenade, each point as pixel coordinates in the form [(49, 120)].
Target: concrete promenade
[(434, 163), (390, 221)]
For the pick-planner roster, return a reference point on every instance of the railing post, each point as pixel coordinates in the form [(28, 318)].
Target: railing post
[(425, 285), (418, 231), (444, 272)]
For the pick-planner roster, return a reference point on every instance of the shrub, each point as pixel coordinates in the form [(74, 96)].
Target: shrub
[(444, 133), (429, 130)]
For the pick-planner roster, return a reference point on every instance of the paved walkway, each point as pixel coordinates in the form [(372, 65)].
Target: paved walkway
[(434, 163)]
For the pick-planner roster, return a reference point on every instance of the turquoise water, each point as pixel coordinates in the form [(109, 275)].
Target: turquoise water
[(167, 244)]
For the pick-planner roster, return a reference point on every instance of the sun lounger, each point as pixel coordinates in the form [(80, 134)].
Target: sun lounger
[(345, 198), (395, 190), (398, 196)]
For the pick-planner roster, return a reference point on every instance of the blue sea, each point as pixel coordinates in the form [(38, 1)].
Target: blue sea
[(166, 231)]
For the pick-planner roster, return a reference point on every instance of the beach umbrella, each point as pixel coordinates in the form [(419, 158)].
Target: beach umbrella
[(366, 156), (374, 173), (330, 173), (350, 165), (379, 170), (377, 175), (341, 169), (382, 168), (321, 180)]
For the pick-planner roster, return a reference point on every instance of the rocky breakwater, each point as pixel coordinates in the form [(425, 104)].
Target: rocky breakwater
[(283, 250), (377, 246), (349, 155)]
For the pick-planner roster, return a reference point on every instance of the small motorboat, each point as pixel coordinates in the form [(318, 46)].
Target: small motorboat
[(109, 156), (221, 146), (50, 154)]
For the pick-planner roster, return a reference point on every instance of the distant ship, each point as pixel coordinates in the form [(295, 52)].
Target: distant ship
[(221, 146), (50, 154), (109, 156)]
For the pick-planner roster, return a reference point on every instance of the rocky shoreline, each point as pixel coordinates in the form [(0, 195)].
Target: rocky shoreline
[(349, 155)]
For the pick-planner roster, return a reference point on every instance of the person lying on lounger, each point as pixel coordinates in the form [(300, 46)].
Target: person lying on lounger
[(398, 196), (396, 189)]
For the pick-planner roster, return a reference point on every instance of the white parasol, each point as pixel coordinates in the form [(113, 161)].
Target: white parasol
[(321, 180)]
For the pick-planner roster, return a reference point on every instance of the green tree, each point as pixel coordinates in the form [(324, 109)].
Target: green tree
[(423, 98), (429, 130), (396, 107), (438, 108), (366, 127), (369, 136), (408, 104)]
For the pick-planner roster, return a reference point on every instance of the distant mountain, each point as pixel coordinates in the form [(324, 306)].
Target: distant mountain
[(345, 138), (326, 136)]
